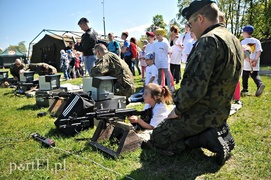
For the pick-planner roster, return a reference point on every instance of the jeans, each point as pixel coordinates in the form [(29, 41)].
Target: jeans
[(255, 76), (130, 63), (65, 69), (137, 97), (89, 62), (166, 74)]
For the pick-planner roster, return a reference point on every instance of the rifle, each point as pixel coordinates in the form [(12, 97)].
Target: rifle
[(107, 115)]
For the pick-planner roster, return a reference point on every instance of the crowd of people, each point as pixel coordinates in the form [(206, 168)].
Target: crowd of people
[(214, 62)]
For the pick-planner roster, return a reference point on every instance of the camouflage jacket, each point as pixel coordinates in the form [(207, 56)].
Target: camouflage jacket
[(210, 77), (15, 70), (41, 68), (112, 65)]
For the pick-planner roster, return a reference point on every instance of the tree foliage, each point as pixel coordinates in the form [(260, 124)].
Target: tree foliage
[(239, 13), (157, 20), (21, 47)]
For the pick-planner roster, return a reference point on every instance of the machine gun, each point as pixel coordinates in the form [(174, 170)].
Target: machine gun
[(124, 133), (107, 115)]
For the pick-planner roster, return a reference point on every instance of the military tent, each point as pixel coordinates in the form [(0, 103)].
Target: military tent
[(8, 57), (48, 49)]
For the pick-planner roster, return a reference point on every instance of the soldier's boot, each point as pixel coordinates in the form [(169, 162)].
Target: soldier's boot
[(224, 131), (210, 140)]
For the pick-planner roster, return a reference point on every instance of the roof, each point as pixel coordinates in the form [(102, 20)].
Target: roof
[(12, 53)]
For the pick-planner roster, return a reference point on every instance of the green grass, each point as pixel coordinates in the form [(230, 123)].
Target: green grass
[(19, 153)]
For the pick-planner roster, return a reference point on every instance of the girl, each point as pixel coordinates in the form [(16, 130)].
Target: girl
[(157, 98)]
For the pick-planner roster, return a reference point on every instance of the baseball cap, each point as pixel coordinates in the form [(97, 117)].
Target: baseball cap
[(149, 56), (150, 34), (194, 7), (145, 41), (249, 29)]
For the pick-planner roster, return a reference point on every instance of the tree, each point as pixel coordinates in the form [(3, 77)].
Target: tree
[(1, 50), (157, 20), (20, 47), (239, 13)]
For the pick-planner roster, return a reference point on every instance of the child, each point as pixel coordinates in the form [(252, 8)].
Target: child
[(143, 61), (251, 64), (151, 77), (157, 98), (151, 70), (175, 61), (161, 50)]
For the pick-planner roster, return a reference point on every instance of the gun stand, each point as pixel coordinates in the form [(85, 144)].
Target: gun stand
[(127, 138)]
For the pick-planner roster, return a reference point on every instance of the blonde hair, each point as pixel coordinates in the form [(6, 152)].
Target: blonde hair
[(161, 92)]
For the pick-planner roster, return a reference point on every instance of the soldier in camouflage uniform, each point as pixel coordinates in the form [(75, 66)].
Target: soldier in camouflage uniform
[(109, 64), (41, 68), (15, 69), (203, 102)]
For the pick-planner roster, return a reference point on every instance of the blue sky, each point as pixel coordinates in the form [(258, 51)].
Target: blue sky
[(22, 20)]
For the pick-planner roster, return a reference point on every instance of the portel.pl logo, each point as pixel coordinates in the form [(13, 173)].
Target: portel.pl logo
[(38, 164)]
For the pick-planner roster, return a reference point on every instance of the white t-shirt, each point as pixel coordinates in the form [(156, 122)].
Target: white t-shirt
[(159, 112), (149, 48), (161, 50), (184, 39), (256, 46), (150, 72), (189, 48), (176, 55)]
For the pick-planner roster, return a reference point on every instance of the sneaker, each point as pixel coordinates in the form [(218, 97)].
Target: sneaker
[(238, 102), (244, 92), (210, 140), (260, 90)]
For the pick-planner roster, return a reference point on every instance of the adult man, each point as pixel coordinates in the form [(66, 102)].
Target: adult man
[(127, 55), (203, 102), (15, 69), (88, 41), (41, 68), (113, 46), (109, 64)]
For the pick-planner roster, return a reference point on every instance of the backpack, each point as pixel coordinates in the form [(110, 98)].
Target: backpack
[(133, 49)]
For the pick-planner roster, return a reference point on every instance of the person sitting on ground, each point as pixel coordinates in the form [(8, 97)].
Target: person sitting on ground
[(40, 68), (15, 69), (157, 98), (110, 64)]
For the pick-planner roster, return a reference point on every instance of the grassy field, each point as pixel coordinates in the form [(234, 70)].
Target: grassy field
[(23, 158)]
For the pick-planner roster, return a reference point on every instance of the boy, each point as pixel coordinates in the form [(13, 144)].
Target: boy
[(251, 64), (151, 70), (151, 77)]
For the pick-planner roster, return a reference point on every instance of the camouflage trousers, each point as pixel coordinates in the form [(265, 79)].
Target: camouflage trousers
[(171, 134)]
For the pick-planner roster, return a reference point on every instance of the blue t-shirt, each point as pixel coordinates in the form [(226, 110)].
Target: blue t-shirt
[(114, 47), (128, 52)]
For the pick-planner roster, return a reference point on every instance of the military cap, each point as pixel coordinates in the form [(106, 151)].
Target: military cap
[(194, 7)]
